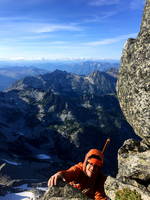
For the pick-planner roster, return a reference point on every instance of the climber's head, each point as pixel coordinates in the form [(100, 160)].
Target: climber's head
[(93, 162)]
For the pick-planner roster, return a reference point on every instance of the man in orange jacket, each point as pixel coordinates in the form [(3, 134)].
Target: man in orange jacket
[(85, 176)]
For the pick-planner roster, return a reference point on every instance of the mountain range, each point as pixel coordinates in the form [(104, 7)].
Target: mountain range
[(57, 117), (10, 72), (8, 75)]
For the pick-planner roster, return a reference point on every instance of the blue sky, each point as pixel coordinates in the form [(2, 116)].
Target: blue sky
[(62, 29)]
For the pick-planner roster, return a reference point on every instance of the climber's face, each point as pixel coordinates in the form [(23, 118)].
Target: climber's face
[(92, 170)]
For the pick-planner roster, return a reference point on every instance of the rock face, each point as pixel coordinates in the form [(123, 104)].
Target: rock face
[(134, 79), (134, 161), (112, 185), (133, 170), (63, 191), (133, 90)]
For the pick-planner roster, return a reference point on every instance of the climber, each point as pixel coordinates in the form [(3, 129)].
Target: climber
[(86, 176)]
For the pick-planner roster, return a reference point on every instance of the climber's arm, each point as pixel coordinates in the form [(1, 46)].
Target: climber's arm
[(68, 175)]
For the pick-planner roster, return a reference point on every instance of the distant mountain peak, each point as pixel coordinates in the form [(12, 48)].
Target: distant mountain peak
[(58, 71), (95, 74), (63, 83)]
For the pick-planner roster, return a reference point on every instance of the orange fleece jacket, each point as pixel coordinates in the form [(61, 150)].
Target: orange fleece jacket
[(76, 177)]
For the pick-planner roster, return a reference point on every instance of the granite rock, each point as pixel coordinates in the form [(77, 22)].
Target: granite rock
[(62, 192), (112, 185), (133, 84), (134, 161), (133, 88)]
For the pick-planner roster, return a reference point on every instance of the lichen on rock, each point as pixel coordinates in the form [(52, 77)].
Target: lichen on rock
[(112, 185)]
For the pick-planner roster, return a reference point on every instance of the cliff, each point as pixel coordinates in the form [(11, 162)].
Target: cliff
[(134, 79), (133, 88)]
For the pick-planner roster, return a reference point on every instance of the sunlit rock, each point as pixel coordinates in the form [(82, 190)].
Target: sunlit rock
[(133, 85)]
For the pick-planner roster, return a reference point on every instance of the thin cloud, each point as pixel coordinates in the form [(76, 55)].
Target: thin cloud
[(58, 42), (58, 27), (136, 4), (111, 40), (96, 18), (25, 28), (102, 2)]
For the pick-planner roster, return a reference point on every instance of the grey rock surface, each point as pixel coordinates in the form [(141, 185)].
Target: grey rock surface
[(133, 86), (133, 89), (112, 185), (62, 192), (133, 170), (134, 161)]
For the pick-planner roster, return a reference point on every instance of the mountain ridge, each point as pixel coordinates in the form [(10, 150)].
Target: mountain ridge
[(52, 120), (81, 68), (64, 81)]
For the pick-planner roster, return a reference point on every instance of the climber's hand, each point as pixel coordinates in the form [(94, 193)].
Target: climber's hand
[(54, 179)]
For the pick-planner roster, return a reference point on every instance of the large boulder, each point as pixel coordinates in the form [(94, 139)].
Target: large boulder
[(133, 85), (133, 88), (133, 170), (63, 191), (134, 161), (112, 185)]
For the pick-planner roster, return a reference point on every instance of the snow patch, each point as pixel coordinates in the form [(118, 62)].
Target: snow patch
[(42, 188), (11, 162), (19, 196), (89, 79)]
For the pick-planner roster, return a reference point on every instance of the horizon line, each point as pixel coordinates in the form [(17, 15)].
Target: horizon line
[(57, 59)]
